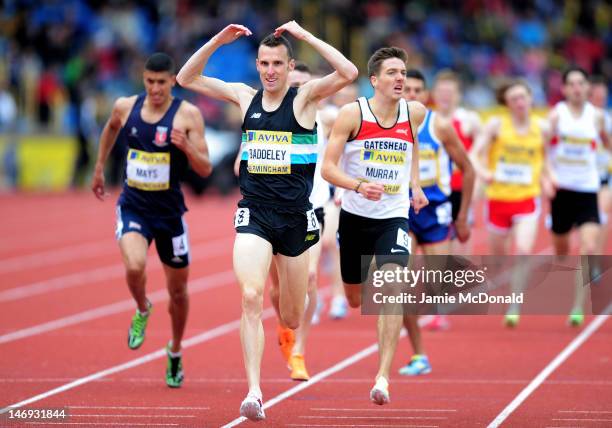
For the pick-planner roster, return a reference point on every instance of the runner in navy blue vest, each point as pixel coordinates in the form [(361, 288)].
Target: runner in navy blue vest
[(164, 135), (279, 155)]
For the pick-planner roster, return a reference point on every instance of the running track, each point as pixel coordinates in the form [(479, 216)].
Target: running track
[(65, 309)]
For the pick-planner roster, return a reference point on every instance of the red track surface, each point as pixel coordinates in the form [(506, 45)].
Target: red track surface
[(58, 259)]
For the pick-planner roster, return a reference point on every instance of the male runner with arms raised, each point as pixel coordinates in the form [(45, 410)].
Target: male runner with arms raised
[(279, 154)]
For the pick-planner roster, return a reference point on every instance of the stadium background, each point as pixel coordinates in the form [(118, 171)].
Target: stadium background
[(62, 63)]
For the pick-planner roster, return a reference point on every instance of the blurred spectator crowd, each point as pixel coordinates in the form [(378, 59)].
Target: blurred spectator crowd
[(63, 62)]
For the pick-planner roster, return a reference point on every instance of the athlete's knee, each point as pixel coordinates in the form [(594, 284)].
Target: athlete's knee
[(178, 294), (291, 319), (353, 298), (252, 299), (135, 267), (589, 247), (313, 279)]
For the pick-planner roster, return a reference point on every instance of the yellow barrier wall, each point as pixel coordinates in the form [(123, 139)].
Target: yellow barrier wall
[(45, 162)]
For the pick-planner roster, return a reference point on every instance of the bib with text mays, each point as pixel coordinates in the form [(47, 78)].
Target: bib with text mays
[(154, 165)]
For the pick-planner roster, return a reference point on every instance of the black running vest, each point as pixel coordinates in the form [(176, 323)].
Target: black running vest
[(278, 155), (154, 165)]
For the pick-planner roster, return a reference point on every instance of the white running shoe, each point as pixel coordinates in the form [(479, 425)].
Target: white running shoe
[(338, 309), (252, 408), (380, 393)]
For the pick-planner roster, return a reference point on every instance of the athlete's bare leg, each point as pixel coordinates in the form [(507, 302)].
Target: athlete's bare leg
[(134, 248), (301, 333), (293, 284), (178, 306), (525, 232), (252, 258)]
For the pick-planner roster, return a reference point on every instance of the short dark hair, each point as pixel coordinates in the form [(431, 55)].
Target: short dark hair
[(502, 89), (377, 58), (598, 79), (573, 68), (160, 61), (413, 73), (271, 41), (301, 66)]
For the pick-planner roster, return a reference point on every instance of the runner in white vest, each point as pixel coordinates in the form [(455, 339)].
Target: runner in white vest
[(577, 127), (376, 138)]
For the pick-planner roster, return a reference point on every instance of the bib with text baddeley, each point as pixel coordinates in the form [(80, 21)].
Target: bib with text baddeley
[(269, 152), (148, 171)]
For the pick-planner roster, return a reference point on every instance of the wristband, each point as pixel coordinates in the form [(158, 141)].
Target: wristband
[(358, 186)]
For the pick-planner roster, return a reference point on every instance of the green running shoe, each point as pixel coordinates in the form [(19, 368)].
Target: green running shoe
[(511, 320), (576, 319), (136, 333), (174, 370)]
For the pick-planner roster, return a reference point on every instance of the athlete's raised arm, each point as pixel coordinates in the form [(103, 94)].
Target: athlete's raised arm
[(344, 70), (346, 126), (190, 76)]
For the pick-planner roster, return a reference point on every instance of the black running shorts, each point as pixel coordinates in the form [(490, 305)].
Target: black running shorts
[(290, 231), (362, 237), (569, 209)]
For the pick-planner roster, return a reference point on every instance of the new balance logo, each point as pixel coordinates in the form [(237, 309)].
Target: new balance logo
[(395, 250), (255, 115), (177, 259), (402, 131), (134, 132)]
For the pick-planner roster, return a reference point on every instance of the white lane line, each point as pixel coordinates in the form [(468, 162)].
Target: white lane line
[(116, 270), (160, 353), (373, 417), (586, 411), (107, 424), (192, 341), (140, 407), (364, 353), (347, 362), (122, 415), (344, 380), (55, 256), (551, 367), (583, 419), (328, 409), (205, 283), (361, 425)]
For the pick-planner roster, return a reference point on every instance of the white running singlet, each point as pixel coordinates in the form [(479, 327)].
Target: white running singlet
[(384, 156), (574, 149)]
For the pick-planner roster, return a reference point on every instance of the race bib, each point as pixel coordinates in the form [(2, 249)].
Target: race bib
[(269, 152), (574, 153), (313, 222), (385, 167), (241, 218), (180, 245), (148, 171), (444, 213), (403, 239), (428, 168), (513, 173)]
